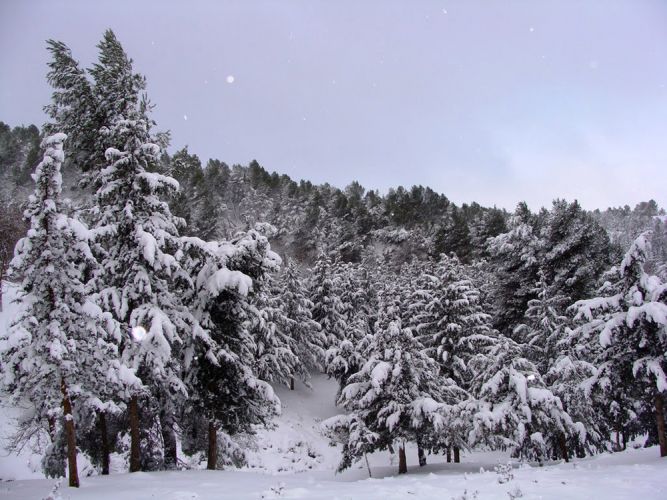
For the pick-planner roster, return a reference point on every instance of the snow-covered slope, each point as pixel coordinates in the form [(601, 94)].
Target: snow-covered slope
[(293, 460)]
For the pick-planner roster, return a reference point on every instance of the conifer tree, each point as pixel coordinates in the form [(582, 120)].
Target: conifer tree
[(328, 309), (61, 346), (219, 360), (140, 281), (305, 335), (514, 409), (72, 108), (392, 399), (516, 257), (632, 328)]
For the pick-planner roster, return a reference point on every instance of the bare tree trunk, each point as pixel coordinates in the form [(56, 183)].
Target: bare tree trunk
[(52, 428), (70, 433), (169, 439), (660, 421), (402, 461), (104, 435), (421, 456), (291, 384), (449, 455), (563, 447), (212, 461), (457, 455), (618, 441), (135, 435)]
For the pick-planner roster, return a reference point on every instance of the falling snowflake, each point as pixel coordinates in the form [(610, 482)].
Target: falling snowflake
[(138, 333), (444, 11), (531, 29), (230, 79), (185, 117)]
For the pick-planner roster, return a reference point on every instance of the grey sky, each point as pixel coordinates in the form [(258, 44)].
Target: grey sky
[(494, 102)]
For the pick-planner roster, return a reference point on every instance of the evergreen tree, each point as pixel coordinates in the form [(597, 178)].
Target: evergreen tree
[(140, 282), (514, 408), (61, 346), (305, 335), (632, 327), (545, 324), (576, 250), (515, 255), (328, 310), (73, 107), (393, 398), (219, 360)]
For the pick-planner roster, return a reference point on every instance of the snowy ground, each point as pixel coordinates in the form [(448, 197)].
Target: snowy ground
[(294, 461)]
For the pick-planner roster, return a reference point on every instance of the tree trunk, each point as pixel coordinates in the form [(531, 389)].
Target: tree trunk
[(660, 421), (402, 461), (70, 433), (169, 439), (421, 455), (104, 435), (212, 461), (457, 455), (449, 455), (135, 435), (618, 441), (563, 447), (291, 384), (52, 428)]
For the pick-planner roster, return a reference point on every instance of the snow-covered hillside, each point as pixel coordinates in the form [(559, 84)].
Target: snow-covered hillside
[(293, 460)]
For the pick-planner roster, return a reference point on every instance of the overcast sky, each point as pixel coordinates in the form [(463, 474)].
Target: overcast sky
[(485, 101)]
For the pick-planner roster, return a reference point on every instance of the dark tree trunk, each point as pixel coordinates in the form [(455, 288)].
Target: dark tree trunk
[(563, 447), (104, 442), (135, 435), (402, 461), (70, 433), (449, 455), (291, 384), (660, 421), (457, 455), (169, 439), (625, 441), (212, 460), (52, 428), (421, 455)]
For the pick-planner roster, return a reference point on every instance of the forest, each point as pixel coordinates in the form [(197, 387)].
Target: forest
[(163, 297)]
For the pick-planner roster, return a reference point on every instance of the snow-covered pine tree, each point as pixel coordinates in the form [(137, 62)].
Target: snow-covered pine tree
[(632, 328), (117, 91), (328, 309), (395, 397), (349, 355), (274, 359), (515, 258), (544, 325), (514, 408), (568, 366), (461, 330), (61, 346), (140, 282), (219, 360), (305, 335), (72, 108), (576, 250)]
